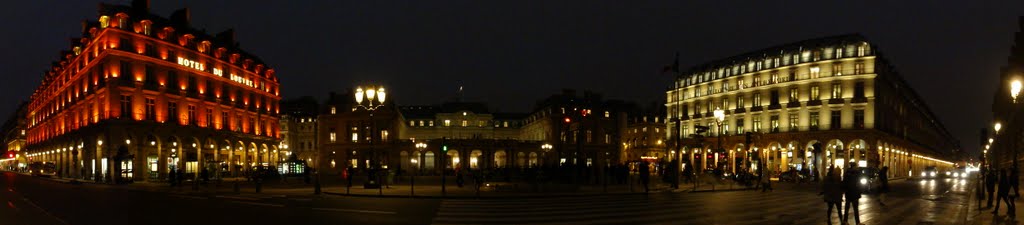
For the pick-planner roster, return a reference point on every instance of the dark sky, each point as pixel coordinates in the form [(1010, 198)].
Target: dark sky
[(515, 52)]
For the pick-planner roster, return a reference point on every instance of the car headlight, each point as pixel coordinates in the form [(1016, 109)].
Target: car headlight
[(933, 174), (947, 173), (924, 174), (863, 181)]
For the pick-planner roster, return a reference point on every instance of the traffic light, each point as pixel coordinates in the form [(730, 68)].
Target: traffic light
[(444, 146), (10, 155), (567, 120)]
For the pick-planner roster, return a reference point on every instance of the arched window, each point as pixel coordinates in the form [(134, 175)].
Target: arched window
[(428, 158), (533, 159)]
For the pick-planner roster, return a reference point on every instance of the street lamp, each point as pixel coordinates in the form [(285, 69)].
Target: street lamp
[(719, 117), (546, 148), (1015, 87), (419, 167), (374, 98), (997, 126)]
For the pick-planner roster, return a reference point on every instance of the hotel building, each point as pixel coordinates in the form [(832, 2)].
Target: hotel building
[(809, 104), (139, 95)]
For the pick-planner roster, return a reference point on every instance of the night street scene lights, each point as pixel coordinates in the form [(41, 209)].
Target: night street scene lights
[(1015, 87), (719, 119), (371, 99)]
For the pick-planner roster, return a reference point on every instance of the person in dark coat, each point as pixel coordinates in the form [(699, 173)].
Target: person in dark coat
[(990, 185), (1015, 182), (883, 184), (852, 191), (833, 194), (1003, 194), (645, 176)]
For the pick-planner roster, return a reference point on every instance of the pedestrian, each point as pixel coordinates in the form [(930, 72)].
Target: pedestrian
[(852, 191), (171, 178), (1003, 194), (833, 195), (990, 185), (645, 176), (980, 188), (883, 184), (1015, 182)]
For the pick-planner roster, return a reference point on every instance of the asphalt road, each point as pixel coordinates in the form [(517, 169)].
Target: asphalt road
[(30, 200)]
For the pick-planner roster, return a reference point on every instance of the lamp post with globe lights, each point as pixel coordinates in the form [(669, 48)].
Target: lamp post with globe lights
[(719, 118), (371, 99)]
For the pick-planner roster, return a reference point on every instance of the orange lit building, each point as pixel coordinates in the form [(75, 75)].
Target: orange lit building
[(139, 95)]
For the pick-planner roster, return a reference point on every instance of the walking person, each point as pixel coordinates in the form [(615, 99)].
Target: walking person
[(883, 187), (833, 194), (852, 191), (990, 185), (1003, 194), (645, 176)]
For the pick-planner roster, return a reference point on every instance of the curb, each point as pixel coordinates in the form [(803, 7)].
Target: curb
[(493, 197)]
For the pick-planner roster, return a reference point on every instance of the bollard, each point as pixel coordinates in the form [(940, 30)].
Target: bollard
[(316, 190)]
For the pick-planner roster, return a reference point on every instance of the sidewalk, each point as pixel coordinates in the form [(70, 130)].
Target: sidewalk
[(984, 215)]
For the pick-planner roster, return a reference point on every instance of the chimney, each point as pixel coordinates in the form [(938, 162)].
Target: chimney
[(181, 17), (140, 6)]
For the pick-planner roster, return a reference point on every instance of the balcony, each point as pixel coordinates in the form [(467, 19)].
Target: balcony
[(793, 104), (861, 99), (814, 102), (836, 101)]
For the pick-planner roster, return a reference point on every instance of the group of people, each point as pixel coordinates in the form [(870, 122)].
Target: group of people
[(1006, 180), (836, 186)]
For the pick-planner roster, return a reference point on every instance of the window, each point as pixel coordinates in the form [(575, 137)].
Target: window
[(334, 137), (815, 94), (858, 119), (837, 69), (465, 123), (334, 110), (757, 123), (774, 77), (209, 117), (836, 119), (504, 124), (151, 109), (757, 80), (739, 102), (739, 126), (480, 123), (837, 91), (431, 123), (606, 115), (816, 55), (725, 127), (447, 123), (412, 123), (858, 90), (421, 123), (774, 123), (858, 68), (814, 120), (192, 115), (126, 106), (125, 73), (862, 49), (740, 83), (793, 95), (757, 99), (172, 112), (815, 72), (589, 135), (774, 100), (794, 120), (839, 52), (607, 139)]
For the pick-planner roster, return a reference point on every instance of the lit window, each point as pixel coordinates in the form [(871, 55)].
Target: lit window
[(606, 114), (837, 90), (355, 137), (447, 123), (837, 69), (431, 123), (505, 124), (412, 123), (465, 123), (334, 137), (814, 93), (421, 123), (815, 71), (334, 110)]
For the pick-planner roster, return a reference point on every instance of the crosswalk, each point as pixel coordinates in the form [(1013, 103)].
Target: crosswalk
[(742, 207)]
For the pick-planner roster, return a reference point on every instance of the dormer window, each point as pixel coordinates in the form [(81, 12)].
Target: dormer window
[(104, 21)]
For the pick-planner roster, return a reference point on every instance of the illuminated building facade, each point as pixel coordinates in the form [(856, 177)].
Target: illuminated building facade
[(139, 95), (14, 139), (1004, 142), (298, 129), (809, 104), (410, 137)]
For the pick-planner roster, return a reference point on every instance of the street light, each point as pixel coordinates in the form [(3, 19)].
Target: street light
[(1015, 87), (546, 148), (419, 167), (719, 117), (998, 126), (374, 98)]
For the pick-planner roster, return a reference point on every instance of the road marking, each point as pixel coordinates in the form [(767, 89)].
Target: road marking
[(259, 204), (356, 211), (238, 198), (44, 211), (188, 196)]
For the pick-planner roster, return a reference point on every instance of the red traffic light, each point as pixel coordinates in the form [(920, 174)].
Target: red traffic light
[(10, 155), (567, 120)]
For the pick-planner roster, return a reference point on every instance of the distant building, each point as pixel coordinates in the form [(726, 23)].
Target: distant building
[(645, 138), (411, 138), (139, 95), (14, 139), (834, 92), (299, 127)]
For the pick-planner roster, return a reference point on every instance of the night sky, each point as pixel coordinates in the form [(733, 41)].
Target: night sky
[(512, 53)]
